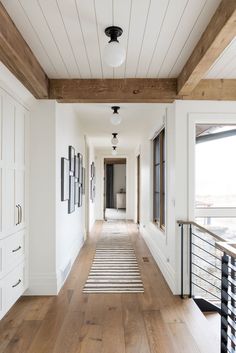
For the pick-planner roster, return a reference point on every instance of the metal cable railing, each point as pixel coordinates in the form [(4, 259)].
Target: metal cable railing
[(228, 297), (208, 271), (202, 263)]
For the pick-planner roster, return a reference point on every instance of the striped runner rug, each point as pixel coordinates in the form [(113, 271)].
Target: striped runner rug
[(114, 268)]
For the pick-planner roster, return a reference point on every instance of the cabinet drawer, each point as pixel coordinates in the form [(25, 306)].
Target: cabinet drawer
[(12, 287), (12, 251)]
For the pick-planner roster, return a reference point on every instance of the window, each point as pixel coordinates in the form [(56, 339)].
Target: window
[(159, 179)]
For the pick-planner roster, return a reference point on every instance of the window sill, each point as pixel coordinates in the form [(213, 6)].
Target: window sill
[(162, 228)]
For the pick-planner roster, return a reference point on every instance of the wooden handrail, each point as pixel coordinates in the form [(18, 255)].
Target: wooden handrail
[(228, 247), (205, 230)]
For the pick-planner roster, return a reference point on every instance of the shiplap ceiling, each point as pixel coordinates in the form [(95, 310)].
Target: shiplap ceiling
[(225, 66), (67, 36)]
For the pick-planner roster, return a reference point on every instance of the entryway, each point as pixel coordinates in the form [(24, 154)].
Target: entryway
[(114, 189)]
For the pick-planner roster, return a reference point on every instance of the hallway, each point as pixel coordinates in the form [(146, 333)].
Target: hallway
[(72, 322)]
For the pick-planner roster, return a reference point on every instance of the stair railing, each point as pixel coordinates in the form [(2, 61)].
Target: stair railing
[(200, 265)]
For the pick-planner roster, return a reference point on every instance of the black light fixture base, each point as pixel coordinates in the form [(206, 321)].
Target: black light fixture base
[(115, 109), (113, 32)]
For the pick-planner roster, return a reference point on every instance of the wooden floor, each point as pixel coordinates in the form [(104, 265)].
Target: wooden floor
[(73, 322)]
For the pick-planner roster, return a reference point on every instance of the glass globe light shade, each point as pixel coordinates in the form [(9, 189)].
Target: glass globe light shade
[(116, 119), (114, 54), (114, 151), (114, 140)]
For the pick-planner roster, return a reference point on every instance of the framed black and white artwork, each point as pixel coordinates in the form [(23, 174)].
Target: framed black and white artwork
[(77, 167), (80, 177), (80, 196), (83, 181), (65, 172), (72, 159), (71, 202), (77, 191)]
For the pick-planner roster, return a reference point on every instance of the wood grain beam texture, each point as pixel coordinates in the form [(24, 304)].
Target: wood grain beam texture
[(219, 33), (17, 56), (136, 91), (109, 90)]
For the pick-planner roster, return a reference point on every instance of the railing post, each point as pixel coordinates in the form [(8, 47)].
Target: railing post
[(182, 260), (224, 302), (190, 261), (233, 290)]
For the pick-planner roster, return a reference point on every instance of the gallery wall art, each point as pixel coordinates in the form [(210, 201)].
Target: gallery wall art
[(72, 179)]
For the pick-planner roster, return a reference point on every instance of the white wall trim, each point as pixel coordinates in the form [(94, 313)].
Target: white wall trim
[(42, 284), (75, 251), (167, 271)]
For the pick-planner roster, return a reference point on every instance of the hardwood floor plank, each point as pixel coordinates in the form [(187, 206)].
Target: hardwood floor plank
[(91, 339), (22, 339), (113, 339), (159, 336), (136, 340), (69, 337)]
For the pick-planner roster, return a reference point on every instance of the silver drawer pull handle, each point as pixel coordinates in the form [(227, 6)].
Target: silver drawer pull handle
[(17, 249), (15, 285)]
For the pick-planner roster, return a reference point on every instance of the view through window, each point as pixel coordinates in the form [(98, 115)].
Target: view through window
[(215, 178)]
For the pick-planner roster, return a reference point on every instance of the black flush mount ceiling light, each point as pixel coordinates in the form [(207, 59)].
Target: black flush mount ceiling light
[(115, 118), (114, 151), (114, 139), (114, 53)]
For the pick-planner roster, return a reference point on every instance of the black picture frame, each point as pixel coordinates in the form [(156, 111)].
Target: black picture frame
[(77, 166), (80, 176), (83, 181), (77, 193), (71, 201), (65, 172), (72, 159), (80, 196)]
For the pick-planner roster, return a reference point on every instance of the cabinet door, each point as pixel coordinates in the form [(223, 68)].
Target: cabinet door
[(20, 165), (20, 197), (8, 168), (19, 138)]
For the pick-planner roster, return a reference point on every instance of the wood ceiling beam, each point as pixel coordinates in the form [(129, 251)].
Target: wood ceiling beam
[(219, 33), (17, 56), (136, 91), (116, 91), (214, 90)]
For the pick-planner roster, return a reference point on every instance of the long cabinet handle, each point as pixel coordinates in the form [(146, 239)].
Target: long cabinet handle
[(18, 215), (17, 283), (21, 215), (17, 249)]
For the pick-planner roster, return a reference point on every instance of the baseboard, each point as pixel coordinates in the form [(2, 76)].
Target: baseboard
[(167, 271), (42, 284), (65, 270)]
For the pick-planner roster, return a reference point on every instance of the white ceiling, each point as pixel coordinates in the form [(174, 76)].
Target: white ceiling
[(138, 121), (67, 36), (225, 66)]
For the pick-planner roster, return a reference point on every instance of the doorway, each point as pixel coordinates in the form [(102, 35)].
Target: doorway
[(114, 189)]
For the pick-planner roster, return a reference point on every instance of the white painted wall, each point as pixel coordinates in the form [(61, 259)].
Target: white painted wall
[(165, 246), (42, 261), (70, 228), (92, 204), (119, 179), (55, 236)]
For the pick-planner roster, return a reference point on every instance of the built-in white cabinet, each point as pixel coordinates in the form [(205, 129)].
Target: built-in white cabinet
[(120, 200), (13, 195)]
